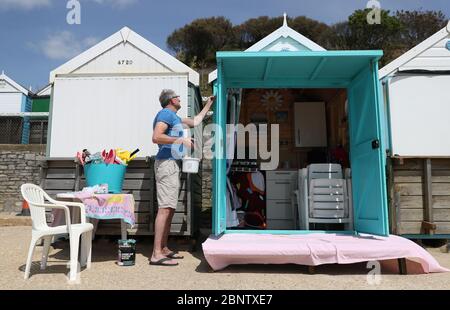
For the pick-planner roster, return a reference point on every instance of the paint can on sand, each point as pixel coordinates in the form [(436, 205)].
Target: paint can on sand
[(127, 252)]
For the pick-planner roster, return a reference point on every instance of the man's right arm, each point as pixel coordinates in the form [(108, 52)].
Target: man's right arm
[(159, 136)]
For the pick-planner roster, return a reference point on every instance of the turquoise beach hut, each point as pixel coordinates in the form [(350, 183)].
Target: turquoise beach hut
[(286, 61)]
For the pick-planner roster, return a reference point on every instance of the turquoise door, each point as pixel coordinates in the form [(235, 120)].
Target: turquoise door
[(366, 153), (219, 162)]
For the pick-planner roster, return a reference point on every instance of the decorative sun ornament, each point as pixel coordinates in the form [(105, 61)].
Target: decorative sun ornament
[(272, 100)]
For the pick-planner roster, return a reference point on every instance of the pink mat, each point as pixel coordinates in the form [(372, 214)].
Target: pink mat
[(312, 250)]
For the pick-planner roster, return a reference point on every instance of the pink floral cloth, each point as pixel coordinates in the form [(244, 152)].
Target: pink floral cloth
[(108, 206)]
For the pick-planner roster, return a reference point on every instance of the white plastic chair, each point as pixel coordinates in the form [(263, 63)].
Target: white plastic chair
[(35, 197)]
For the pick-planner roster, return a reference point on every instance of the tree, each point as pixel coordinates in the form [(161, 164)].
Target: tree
[(363, 35), (358, 34), (255, 29), (395, 35), (419, 25), (336, 37), (196, 43), (312, 29)]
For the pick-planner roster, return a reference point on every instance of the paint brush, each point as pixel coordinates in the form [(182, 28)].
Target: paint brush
[(134, 152)]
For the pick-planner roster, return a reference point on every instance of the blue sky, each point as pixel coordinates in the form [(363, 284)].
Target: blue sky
[(35, 37)]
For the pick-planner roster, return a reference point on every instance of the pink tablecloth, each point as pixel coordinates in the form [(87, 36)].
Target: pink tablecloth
[(101, 207), (108, 206)]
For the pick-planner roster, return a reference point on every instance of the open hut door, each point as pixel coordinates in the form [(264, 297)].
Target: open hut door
[(366, 153), (219, 161)]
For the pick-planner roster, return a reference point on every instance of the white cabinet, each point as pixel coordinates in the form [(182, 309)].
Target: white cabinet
[(279, 210), (310, 124)]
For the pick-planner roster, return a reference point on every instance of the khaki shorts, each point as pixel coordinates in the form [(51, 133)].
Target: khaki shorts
[(167, 175)]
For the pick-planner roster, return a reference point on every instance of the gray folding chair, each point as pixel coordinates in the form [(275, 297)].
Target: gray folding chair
[(324, 196)]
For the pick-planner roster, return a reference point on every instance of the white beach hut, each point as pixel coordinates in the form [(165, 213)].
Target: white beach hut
[(15, 102), (415, 87), (107, 96)]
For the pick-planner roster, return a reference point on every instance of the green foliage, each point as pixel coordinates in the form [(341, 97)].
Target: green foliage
[(395, 35), (362, 35), (310, 28), (255, 29), (385, 36), (419, 25), (196, 43)]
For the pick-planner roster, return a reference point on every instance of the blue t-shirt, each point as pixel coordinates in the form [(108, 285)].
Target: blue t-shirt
[(175, 129)]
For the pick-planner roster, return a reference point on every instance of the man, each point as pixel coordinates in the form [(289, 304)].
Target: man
[(168, 134)]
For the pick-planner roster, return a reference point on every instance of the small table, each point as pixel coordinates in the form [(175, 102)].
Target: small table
[(128, 204)]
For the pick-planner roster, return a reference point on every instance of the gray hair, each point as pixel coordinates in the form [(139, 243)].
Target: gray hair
[(166, 96)]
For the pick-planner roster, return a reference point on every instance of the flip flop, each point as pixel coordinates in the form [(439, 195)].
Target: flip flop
[(174, 255), (161, 262)]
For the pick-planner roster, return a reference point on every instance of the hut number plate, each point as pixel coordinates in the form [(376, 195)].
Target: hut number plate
[(125, 62)]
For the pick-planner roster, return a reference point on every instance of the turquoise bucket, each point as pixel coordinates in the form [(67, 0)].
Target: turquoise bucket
[(111, 174)]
